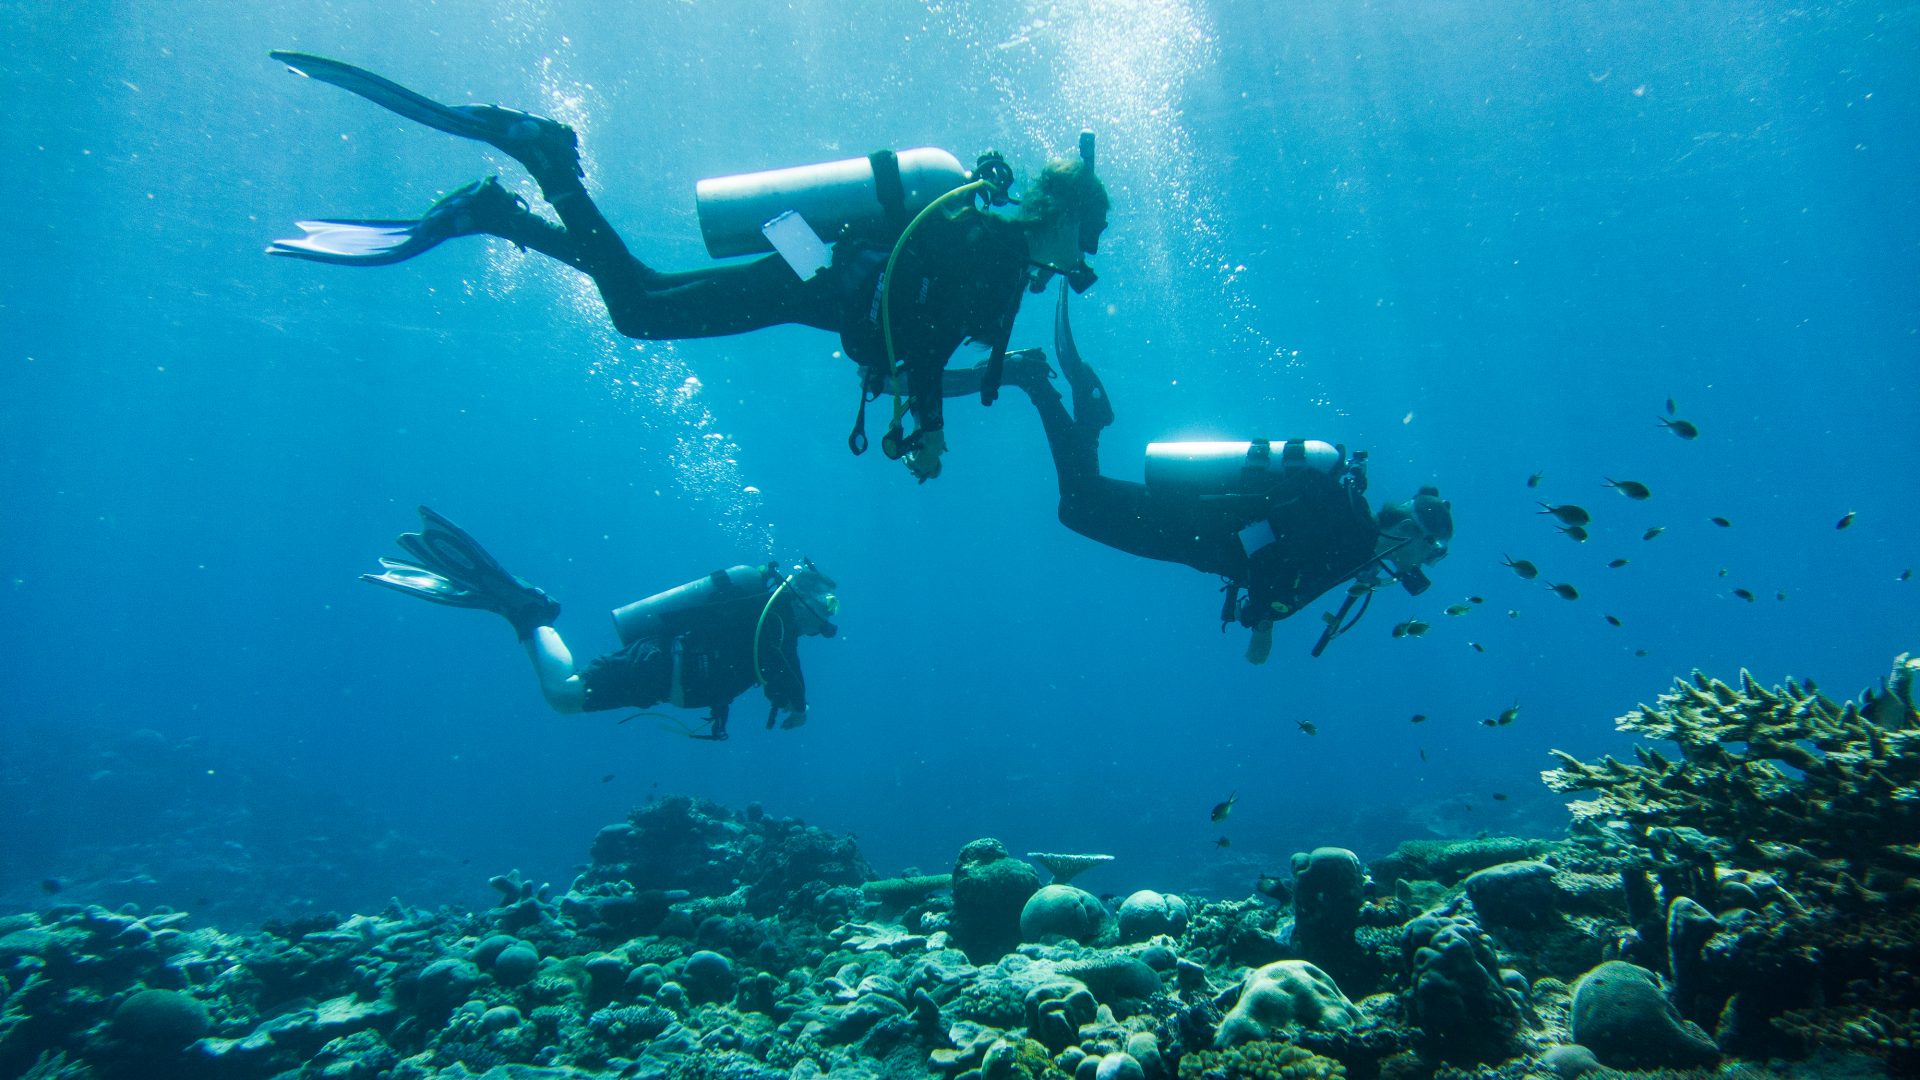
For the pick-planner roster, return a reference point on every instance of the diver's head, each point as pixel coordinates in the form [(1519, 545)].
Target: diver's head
[(1414, 535), (815, 599), (1065, 210)]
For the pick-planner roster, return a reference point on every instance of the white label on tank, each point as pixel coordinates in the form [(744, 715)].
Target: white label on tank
[(797, 243), (1256, 536)]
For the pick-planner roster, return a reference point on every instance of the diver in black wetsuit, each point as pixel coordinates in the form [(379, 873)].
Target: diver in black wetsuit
[(957, 277), (698, 645), (1281, 523)]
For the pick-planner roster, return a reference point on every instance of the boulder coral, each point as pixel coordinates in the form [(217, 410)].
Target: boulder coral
[(990, 889), (1285, 994), (1621, 1013), (1062, 911)]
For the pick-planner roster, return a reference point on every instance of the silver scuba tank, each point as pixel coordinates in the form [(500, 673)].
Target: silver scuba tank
[(666, 614), (831, 196), (1235, 468)]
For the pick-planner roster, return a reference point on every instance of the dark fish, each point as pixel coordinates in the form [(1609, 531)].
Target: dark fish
[(1722, 522), (1359, 589), (1399, 630), (1616, 564), (1489, 722), (1905, 575), (1415, 627), (1499, 796), (607, 779), (1723, 572), (1521, 566), (1273, 888), (1679, 427), (1534, 480), (1611, 621), (1632, 489), (1844, 521), (1639, 652), (1477, 647), (1669, 406), (1508, 715), (1476, 599), (1458, 609), (51, 885), (1221, 810), (1513, 613), (1307, 727), (1653, 532), (1574, 533), (1567, 514), (1564, 591), (1781, 595), (1419, 718), (1423, 753), (1744, 595), (1222, 843)]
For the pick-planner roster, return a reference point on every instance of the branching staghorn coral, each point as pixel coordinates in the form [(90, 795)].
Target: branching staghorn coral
[(1787, 775)]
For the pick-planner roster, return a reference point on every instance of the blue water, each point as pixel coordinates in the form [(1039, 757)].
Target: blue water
[(1476, 240)]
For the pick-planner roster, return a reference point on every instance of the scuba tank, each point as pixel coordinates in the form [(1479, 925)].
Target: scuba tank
[(667, 614), (1237, 468), (881, 189)]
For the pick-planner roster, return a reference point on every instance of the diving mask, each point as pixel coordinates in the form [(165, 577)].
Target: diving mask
[(816, 593)]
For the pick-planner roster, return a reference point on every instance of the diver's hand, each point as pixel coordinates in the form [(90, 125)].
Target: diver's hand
[(794, 718), (923, 461)]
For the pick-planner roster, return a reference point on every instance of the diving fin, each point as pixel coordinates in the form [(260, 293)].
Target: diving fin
[(451, 568), (480, 207), (1090, 403), (544, 146)]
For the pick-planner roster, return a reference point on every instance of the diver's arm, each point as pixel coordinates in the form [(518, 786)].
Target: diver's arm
[(553, 663)]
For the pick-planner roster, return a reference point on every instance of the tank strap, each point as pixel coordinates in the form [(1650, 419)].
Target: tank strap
[(889, 189)]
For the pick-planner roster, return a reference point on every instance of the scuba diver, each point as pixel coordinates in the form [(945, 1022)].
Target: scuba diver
[(698, 645), (909, 271), (1280, 522)]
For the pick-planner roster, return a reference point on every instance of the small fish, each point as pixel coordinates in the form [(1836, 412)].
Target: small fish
[(1781, 595), (1905, 575), (1534, 480), (1574, 533), (1499, 796), (1477, 647), (1399, 630), (1223, 842), (1653, 532), (1513, 613), (1359, 589), (1681, 428), (607, 779), (1458, 609), (1616, 564), (1632, 489), (1723, 572), (1476, 599), (1563, 591), (1669, 406), (1521, 566), (1567, 514), (1508, 715), (1489, 722), (1744, 595), (1639, 652), (1423, 753), (51, 885), (1418, 718), (1844, 521), (1611, 621), (1722, 522), (1415, 627), (1467, 806), (1221, 810), (1307, 727)]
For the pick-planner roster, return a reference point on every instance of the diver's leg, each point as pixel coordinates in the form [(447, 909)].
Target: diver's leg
[(652, 305), (553, 663)]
